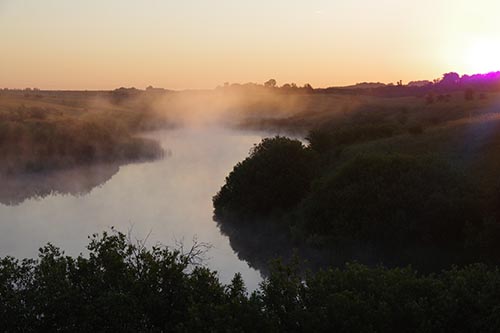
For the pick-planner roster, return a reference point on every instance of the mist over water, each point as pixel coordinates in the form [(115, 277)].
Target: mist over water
[(170, 198)]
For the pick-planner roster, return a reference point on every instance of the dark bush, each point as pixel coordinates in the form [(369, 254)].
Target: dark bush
[(122, 287), (272, 180)]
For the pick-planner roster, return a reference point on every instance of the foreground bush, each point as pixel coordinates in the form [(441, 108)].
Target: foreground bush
[(118, 287), (124, 287)]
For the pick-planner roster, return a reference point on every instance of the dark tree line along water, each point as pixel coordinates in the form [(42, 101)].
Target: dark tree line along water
[(378, 207)]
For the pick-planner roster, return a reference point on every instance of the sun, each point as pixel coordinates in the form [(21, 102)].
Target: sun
[(483, 57)]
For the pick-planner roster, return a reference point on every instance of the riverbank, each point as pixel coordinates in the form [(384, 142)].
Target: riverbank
[(46, 132)]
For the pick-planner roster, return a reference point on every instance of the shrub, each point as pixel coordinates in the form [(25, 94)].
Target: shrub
[(272, 180), (120, 286)]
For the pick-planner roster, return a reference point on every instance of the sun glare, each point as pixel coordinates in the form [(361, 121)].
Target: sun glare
[(483, 57)]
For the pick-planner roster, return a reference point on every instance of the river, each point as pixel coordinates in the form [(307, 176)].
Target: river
[(170, 200)]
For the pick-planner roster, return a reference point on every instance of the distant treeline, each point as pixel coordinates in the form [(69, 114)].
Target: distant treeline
[(124, 287), (450, 82)]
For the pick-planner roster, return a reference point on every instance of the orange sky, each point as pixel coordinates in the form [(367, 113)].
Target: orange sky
[(97, 44)]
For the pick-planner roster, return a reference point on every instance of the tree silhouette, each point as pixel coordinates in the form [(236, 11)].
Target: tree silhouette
[(270, 83), (450, 79)]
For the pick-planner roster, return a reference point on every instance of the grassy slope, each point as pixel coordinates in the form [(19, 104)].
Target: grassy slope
[(312, 110), (472, 145)]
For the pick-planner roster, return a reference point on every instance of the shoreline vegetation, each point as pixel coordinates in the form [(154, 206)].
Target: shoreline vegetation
[(125, 286), (71, 142), (397, 181), (46, 131)]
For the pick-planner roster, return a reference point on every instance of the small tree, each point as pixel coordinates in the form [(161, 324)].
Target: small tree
[(270, 83), (450, 79)]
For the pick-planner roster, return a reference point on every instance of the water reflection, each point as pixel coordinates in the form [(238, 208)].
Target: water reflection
[(79, 181), (258, 245)]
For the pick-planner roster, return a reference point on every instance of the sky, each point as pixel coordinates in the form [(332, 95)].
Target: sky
[(200, 44)]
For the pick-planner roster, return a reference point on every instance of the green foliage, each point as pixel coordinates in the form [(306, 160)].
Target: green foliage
[(272, 180), (124, 287), (391, 201), (372, 207), (118, 287), (359, 133), (387, 208)]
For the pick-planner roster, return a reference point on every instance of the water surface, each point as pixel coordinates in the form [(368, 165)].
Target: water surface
[(170, 199)]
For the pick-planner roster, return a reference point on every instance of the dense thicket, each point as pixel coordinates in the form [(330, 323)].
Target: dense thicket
[(391, 201), (374, 207), (272, 180), (124, 287)]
